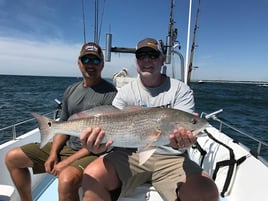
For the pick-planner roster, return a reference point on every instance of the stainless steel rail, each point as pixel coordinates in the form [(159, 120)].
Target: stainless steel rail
[(14, 126), (258, 141)]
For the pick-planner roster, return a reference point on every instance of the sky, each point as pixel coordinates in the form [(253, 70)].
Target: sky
[(44, 37)]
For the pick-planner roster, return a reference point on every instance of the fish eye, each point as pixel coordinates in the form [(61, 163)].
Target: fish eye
[(49, 124), (194, 121)]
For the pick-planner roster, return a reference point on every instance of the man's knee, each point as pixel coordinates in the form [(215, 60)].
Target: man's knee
[(101, 172), (198, 188), (17, 158), (70, 177)]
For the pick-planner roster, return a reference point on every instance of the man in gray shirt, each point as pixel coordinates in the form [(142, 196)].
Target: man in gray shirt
[(65, 157)]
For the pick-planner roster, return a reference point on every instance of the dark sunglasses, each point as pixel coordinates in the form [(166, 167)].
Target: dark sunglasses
[(86, 60), (151, 55)]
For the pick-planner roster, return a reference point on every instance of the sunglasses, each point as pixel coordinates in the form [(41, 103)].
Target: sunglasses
[(151, 55), (86, 60)]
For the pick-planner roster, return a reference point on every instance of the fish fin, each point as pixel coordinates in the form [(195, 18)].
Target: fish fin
[(153, 139), (157, 133), (144, 155), (96, 111), (44, 127), (146, 152), (130, 108), (155, 136)]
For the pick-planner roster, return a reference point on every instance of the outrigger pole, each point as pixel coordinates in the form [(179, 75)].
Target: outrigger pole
[(168, 47)]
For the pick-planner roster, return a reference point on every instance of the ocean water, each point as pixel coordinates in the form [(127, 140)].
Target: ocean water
[(245, 106)]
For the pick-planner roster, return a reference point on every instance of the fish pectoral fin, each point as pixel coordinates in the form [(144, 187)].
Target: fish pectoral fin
[(145, 154), (157, 133), (154, 137)]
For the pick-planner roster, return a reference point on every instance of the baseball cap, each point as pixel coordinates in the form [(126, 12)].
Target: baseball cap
[(91, 48), (149, 43)]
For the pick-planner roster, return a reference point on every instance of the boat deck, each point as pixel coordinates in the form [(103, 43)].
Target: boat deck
[(52, 193)]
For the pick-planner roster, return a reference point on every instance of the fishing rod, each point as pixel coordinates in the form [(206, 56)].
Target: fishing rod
[(169, 49), (84, 20), (172, 34), (190, 66), (97, 30), (96, 24)]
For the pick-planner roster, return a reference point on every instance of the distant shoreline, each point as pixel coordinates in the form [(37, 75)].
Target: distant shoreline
[(230, 81)]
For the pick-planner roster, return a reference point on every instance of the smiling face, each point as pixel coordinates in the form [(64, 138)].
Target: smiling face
[(149, 63), (90, 67)]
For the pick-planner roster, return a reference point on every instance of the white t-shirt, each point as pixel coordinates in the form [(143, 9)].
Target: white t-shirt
[(172, 93)]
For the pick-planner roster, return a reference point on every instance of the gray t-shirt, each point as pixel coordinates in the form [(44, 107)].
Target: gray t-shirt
[(172, 93), (78, 98)]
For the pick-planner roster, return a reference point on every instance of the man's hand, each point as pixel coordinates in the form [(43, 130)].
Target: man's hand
[(181, 138), (50, 164), (92, 140)]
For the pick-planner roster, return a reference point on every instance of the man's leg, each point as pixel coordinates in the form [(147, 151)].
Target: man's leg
[(69, 184), (198, 187), (99, 178), (179, 177), (17, 163)]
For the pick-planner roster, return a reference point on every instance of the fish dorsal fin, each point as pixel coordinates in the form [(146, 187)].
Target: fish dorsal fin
[(130, 108), (144, 155), (96, 111)]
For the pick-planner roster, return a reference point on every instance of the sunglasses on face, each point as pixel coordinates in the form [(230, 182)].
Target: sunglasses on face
[(86, 60), (151, 55)]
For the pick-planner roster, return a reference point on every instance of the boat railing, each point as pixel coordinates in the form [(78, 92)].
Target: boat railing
[(259, 142), (14, 127)]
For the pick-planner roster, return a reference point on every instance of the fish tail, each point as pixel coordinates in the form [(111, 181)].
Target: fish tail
[(45, 128)]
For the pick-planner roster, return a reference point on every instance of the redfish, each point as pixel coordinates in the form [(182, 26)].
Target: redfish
[(141, 128)]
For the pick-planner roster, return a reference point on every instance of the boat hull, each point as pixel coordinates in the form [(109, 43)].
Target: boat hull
[(249, 177)]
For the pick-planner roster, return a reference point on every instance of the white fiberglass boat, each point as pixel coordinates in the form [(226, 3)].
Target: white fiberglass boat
[(239, 174)]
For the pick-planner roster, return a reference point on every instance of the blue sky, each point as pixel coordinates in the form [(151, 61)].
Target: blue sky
[(44, 37)]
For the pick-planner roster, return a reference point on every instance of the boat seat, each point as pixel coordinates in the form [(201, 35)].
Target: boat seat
[(6, 192), (121, 81)]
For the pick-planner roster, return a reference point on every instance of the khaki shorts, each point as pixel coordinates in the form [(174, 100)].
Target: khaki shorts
[(39, 156), (164, 172)]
